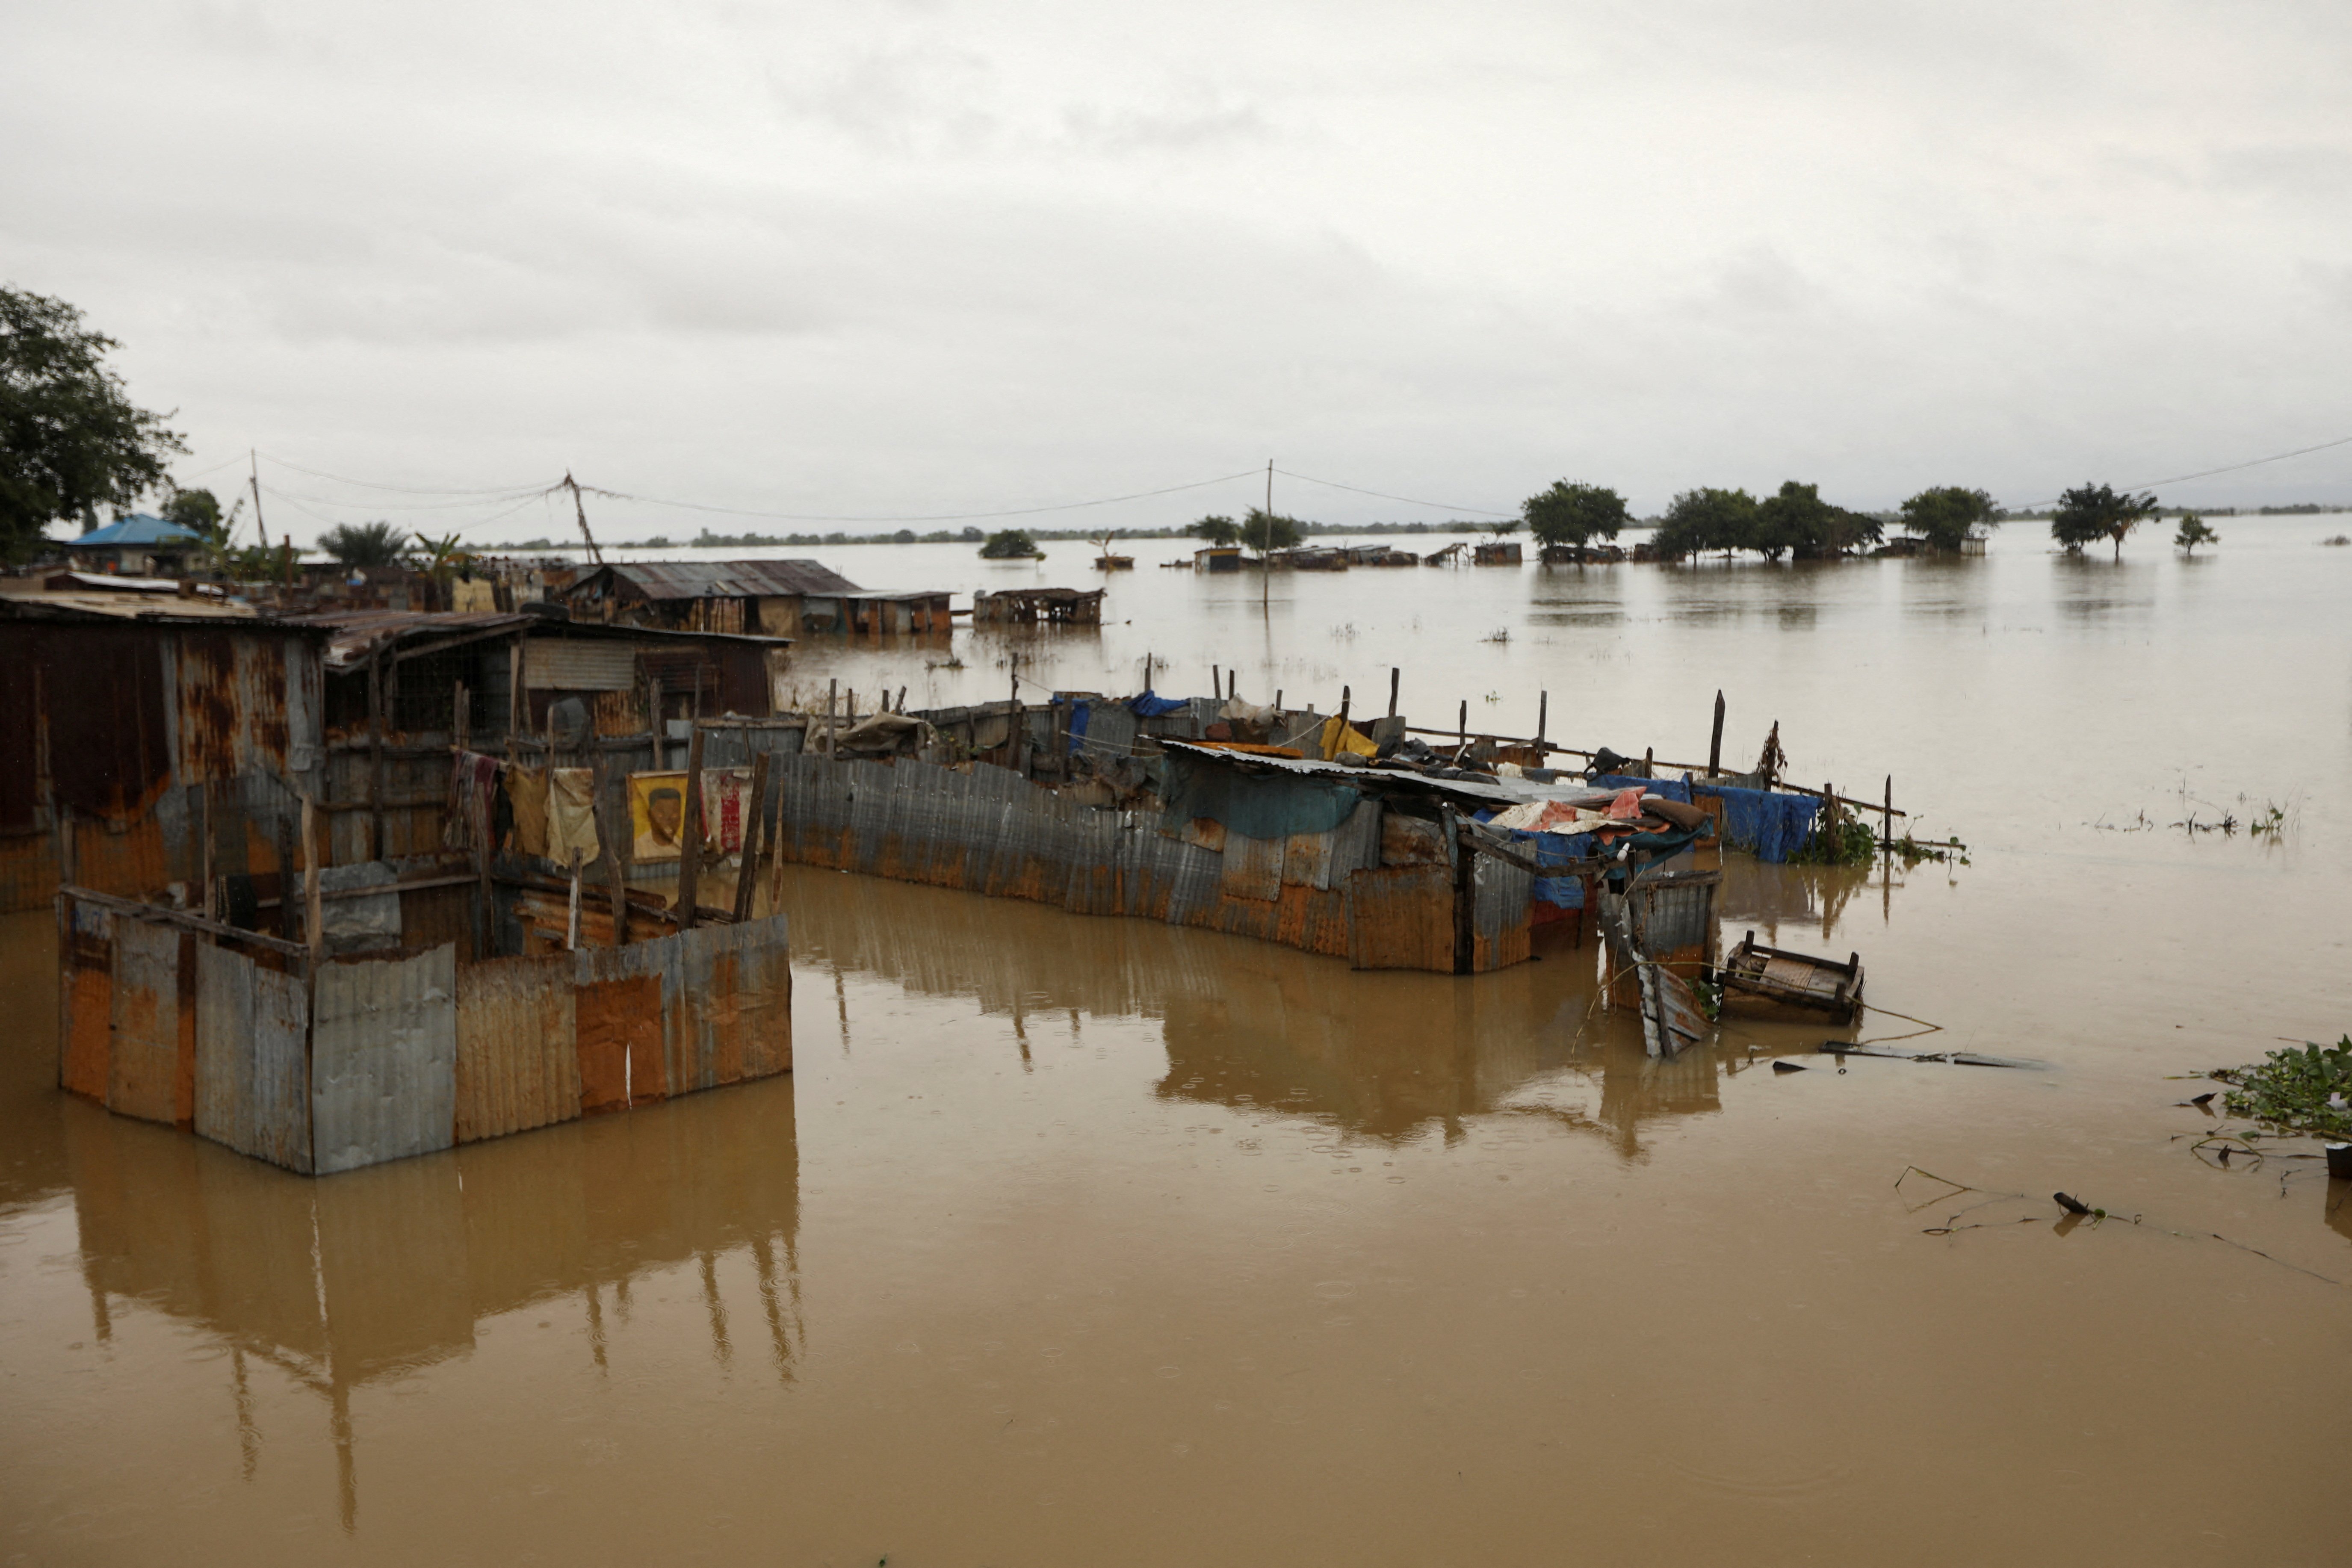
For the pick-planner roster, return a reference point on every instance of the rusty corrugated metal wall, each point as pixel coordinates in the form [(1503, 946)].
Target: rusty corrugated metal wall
[(988, 829), (518, 1060)]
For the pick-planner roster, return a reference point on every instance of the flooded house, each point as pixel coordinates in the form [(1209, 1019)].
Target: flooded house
[(319, 879), (762, 599)]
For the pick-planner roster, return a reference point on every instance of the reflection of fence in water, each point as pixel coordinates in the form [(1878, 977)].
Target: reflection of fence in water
[(340, 1284)]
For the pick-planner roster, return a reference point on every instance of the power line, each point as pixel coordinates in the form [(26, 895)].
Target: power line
[(400, 489), (929, 516), (1410, 501), (2233, 467)]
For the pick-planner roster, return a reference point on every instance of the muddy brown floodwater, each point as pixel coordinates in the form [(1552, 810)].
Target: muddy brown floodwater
[(1086, 1241)]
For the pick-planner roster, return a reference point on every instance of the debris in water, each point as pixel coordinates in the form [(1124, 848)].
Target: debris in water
[(2073, 1204), (1787, 1067)]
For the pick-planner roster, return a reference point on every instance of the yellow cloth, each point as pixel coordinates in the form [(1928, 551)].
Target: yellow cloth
[(572, 815), (1340, 736), (527, 793)]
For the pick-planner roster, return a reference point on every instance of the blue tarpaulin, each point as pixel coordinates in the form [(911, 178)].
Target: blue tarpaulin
[(1149, 706), (1768, 825), (1078, 711), (1558, 849)]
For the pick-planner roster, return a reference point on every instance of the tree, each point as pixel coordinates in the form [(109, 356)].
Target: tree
[(2094, 512), (1501, 528), (443, 556), (358, 544), (1103, 539), (1796, 519), (1220, 533), (1944, 515), (1705, 520), (2193, 532), (1574, 514), (70, 441), (1266, 532), (1010, 544)]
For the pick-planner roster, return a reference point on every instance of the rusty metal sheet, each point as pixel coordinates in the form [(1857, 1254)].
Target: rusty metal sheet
[(1402, 917), (1252, 867), (144, 1068), (618, 1025), (1307, 860), (734, 1004), (578, 664), (253, 1067), (383, 1060), (517, 1056), (728, 579)]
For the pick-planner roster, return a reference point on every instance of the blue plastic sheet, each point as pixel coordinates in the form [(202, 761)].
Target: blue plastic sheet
[(1078, 711), (1558, 849), (1769, 826), (1149, 706)]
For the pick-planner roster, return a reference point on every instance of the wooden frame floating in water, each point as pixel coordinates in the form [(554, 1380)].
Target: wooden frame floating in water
[(1771, 983)]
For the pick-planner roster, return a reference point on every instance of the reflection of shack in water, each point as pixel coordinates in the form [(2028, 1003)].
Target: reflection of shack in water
[(339, 1285), (1258, 1026)]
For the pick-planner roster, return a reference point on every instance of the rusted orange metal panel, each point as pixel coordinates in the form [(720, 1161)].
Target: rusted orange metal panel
[(130, 862), (616, 1022), (1252, 867), (517, 1058), (1402, 917), (86, 1031)]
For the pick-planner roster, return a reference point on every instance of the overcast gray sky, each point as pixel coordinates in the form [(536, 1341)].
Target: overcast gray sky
[(890, 260)]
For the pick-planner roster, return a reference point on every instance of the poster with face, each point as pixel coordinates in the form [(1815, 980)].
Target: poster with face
[(656, 816)]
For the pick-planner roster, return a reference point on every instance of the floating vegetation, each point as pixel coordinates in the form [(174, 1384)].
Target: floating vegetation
[(2337, 539), (1911, 851), (2304, 1089), (1500, 633), (1837, 839)]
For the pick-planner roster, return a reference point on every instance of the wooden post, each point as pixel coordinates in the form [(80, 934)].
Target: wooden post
[(1886, 834), (660, 730), (1278, 700), (314, 919), (832, 730), (1649, 762), (754, 835), (204, 849), (1543, 722), (1394, 675), (572, 925), (1715, 746), (461, 725), (518, 697), (690, 850), (1346, 693), (376, 755), (1462, 739), (285, 879)]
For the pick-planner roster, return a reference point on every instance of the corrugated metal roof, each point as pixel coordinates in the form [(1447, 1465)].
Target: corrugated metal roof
[(355, 633), (727, 579), (162, 609), (1483, 794), (139, 529)]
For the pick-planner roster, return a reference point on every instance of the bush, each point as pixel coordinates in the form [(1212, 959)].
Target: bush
[(1011, 544)]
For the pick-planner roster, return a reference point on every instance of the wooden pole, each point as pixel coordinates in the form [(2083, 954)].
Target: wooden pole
[(1886, 833), (1543, 722), (285, 879), (831, 699), (690, 851), (660, 729), (205, 851), (314, 919), (518, 703), (1265, 548), (1462, 725), (1649, 762), (754, 835), (1394, 675), (572, 925), (1714, 746), (376, 755)]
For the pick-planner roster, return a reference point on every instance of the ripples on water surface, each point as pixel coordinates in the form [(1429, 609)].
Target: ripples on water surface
[(1087, 1240)]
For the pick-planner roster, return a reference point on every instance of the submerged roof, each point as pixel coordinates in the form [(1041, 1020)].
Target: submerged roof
[(141, 528), (725, 579), (1486, 794)]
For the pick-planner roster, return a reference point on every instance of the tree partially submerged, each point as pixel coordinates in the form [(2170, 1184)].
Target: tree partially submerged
[(1267, 531), (2193, 532), (1574, 514), (1009, 544), (1944, 516), (1706, 520), (71, 441), (2091, 512)]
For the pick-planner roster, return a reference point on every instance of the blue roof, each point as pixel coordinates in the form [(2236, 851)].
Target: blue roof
[(139, 529)]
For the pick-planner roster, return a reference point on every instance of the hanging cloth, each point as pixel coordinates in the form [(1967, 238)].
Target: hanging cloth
[(725, 797), (473, 802), (527, 793), (572, 815)]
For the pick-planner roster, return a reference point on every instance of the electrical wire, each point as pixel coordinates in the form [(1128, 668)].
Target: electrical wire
[(932, 517), (1410, 501), (400, 489), (2233, 467)]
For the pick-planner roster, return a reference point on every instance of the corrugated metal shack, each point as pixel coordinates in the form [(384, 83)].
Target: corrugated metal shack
[(1053, 606), (772, 598), (1080, 803), (163, 773)]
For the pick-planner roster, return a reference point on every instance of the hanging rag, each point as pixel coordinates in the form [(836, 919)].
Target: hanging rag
[(527, 795), (473, 802), (726, 801), (572, 815)]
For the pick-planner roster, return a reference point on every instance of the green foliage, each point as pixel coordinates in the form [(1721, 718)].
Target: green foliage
[(354, 544), (1009, 544), (1574, 514), (1219, 531), (70, 441), (1265, 531), (199, 511), (1501, 527), (1837, 839), (2307, 1088), (2193, 532), (1943, 515), (443, 556), (1705, 520), (2090, 512)]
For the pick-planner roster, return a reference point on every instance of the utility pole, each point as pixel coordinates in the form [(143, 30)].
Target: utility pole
[(580, 509), (255, 472), (1265, 549)]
